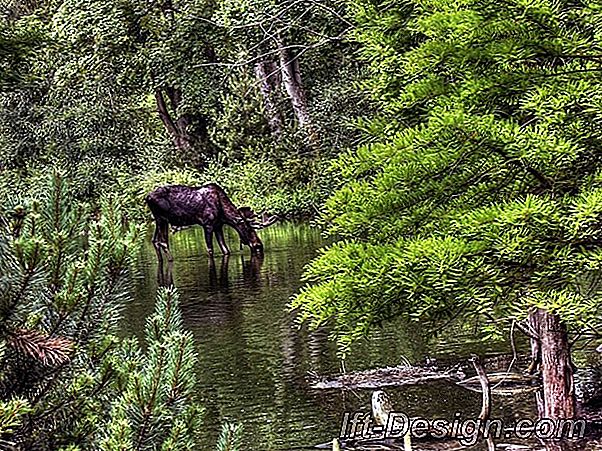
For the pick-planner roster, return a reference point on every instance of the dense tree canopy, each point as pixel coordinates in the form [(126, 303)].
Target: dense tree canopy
[(480, 194), (111, 87)]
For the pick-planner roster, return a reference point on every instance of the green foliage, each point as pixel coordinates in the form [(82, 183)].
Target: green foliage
[(66, 379), (62, 288), (478, 194), (156, 409), (230, 438), (10, 414), (82, 80), (262, 185), (316, 35), (17, 43), (241, 129)]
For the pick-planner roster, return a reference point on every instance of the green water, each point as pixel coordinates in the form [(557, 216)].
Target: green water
[(254, 361)]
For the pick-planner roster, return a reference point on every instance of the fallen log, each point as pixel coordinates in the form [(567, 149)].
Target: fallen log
[(392, 376), (503, 384)]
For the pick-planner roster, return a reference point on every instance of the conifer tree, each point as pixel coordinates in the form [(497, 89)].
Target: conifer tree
[(63, 275), (67, 380), (480, 194), (230, 438), (154, 409)]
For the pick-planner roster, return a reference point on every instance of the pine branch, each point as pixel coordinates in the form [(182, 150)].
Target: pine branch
[(230, 438), (544, 181), (50, 351)]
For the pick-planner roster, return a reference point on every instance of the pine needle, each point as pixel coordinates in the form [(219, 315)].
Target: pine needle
[(50, 351)]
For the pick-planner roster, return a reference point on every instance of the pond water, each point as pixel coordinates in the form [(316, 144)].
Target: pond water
[(254, 361)]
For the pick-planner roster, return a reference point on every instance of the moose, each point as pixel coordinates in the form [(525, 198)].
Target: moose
[(207, 206)]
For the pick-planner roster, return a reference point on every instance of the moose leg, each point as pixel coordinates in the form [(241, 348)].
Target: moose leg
[(219, 234), (165, 236), (209, 239), (157, 242)]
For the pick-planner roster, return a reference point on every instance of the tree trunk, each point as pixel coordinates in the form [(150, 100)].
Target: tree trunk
[(291, 77), (268, 75), (180, 127), (552, 350)]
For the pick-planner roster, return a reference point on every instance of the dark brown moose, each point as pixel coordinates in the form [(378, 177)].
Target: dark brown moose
[(207, 206)]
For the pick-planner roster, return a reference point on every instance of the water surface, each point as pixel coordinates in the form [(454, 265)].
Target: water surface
[(254, 361)]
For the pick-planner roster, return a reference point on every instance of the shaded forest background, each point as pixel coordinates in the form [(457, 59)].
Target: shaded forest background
[(257, 96)]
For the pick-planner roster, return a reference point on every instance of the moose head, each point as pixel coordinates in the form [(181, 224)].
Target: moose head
[(248, 223)]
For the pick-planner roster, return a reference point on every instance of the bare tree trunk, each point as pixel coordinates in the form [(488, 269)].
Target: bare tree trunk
[(553, 353), (268, 75), (179, 127), (291, 77), (188, 131)]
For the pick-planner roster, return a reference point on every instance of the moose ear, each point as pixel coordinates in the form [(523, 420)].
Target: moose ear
[(246, 212)]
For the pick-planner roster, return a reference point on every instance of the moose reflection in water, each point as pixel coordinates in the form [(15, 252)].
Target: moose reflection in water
[(207, 206), (251, 272)]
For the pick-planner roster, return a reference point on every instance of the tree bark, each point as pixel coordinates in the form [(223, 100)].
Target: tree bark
[(291, 77), (179, 127), (268, 76), (552, 350)]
